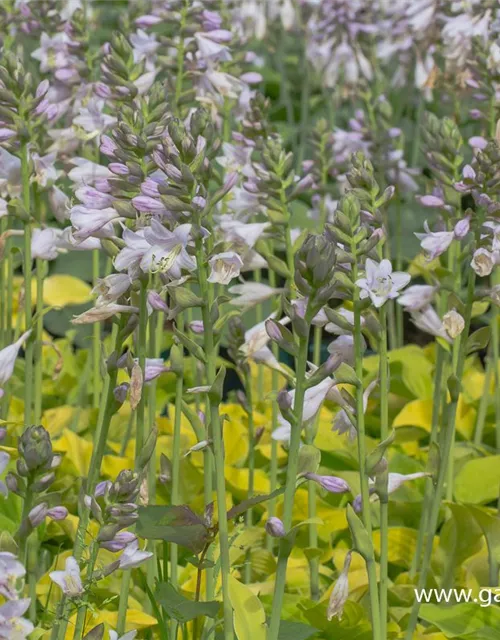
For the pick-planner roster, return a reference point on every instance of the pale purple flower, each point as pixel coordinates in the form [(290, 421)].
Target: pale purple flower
[(92, 119), (8, 357), (130, 635), (132, 557), (434, 243), (417, 297), (57, 513), (12, 625), (11, 572), (69, 580), (45, 243), (93, 198), (119, 542), (37, 515), (212, 45), (153, 368), (380, 283), (168, 250), (87, 172), (275, 528), (59, 204), (332, 484), (252, 293), (93, 222), (224, 267), (53, 52), (45, 170), (130, 257)]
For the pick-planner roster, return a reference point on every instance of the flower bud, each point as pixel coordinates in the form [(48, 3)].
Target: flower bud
[(37, 514), (332, 484), (275, 528), (35, 448), (57, 513)]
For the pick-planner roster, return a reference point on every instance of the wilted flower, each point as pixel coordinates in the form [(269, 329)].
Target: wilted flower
[(97, 314), (483, 262), (453, 323), (380, 283), (340, 591), (427, 320), (224, 267), (434, 243), (112, 287), (69, 580)]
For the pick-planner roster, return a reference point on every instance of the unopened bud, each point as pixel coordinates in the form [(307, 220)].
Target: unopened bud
[(275, 528)]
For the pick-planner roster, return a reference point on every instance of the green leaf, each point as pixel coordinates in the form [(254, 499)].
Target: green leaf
[(461, 619), (182, 609), (176, 524), (240, 508), (478, 340), (478, 480), (290, 630), (249, 615)]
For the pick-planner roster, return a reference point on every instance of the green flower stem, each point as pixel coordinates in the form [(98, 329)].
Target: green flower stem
[(429, 487), (82, 610), (384, 432), (361, 436), (140, 431), (141, 353), (28, 352), (153, 350), (304, 110), (273, 472), (25, 557), (41, 268), (496, 359), (285, 546), (180, 55), (96, 340), (176, 455), (206, 293), (251, 464), (3, 269), (445, 457), (485, 397), (107, 409)]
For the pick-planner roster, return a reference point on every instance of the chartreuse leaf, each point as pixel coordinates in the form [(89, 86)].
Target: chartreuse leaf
[(490, 525), (182, 609), (460, 537), (478, 480), (249, 615), (462, 619), (61, 290), (176, 524)]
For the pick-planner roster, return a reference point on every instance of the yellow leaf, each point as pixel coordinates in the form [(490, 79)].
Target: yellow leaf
[(76, 449), (249, 615), (61, 290)]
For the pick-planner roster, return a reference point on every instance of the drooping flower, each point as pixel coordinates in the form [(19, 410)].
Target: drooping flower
[(342, 423), (340, 591), (332, 484), (417, 297), (8, 357), (380, 283), (111, 288), (224, 267), (97, 314), (252, 293), (69, 580), (427, 320)]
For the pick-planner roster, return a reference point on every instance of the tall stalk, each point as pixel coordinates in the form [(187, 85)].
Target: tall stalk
[(216, 431), (384, 503), (285, 546), (27, 265), (445, 453), (250, 462)]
